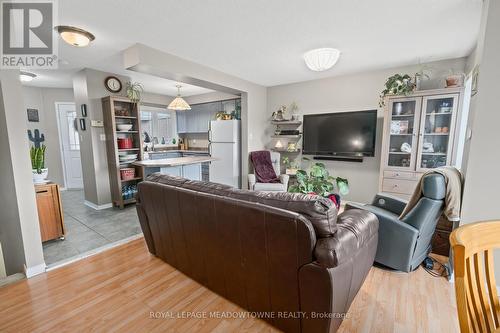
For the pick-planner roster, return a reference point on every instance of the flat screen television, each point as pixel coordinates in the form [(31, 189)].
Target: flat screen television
[(344, 134)]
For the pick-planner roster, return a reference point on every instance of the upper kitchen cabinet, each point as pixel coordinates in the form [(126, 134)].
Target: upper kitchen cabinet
[(181, 121), (197, 119)]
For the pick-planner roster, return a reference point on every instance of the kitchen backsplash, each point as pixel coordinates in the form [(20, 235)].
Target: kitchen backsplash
[(198, 140)]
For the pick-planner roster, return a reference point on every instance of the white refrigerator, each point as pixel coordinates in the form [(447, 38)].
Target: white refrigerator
[(224, 145)]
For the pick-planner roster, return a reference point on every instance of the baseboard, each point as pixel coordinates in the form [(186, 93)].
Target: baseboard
[(11, 279), (35, 270), (98, 207), (92, 252)]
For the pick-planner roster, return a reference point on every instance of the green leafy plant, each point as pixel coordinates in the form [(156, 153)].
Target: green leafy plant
[(37, 156), (134, 91), (318, 181), (397, 85)]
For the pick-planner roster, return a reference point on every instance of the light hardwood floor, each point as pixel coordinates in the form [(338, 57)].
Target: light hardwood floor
[(116, 291)]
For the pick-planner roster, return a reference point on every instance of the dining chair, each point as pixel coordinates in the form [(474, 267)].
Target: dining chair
[(478, 305)]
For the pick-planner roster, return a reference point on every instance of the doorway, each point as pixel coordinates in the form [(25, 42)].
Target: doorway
[(70, 145)]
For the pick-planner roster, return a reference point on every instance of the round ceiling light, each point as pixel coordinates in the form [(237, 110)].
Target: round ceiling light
[(26, 76), (319, 60), (74, 36)]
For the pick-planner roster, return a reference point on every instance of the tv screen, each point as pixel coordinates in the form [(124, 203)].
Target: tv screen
[(340, 134)]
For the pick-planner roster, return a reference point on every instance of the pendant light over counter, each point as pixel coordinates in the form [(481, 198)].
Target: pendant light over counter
[(179, 104)]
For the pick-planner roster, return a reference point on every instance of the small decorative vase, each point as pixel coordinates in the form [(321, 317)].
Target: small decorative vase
[(40, 178)]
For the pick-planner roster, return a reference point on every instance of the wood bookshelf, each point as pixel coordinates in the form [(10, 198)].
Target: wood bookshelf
[(120, 110)]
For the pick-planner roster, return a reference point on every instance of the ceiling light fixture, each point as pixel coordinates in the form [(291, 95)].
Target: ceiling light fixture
[(74, 36), (179, 104), (319, 60), (26, 76)]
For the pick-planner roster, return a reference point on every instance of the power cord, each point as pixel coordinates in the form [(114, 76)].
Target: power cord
[(429, 264)]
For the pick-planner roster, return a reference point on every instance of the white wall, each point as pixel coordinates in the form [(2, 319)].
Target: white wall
[(351, 93), (19, 228), (482, 180), (44, 99)]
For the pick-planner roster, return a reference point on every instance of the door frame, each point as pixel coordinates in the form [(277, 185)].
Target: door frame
[(59, 135)]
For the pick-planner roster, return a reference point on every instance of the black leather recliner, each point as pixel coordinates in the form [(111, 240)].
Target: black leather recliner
[(404, 243)]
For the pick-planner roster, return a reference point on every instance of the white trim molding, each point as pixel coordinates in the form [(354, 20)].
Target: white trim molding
[(98, 207), (35, 270)]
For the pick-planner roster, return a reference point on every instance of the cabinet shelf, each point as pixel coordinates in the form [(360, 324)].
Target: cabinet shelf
[(439, 114), (286, 136), (131, 179), (286, 151), (437, 134), (399, 153), (403, 115), (287, 122), (128, 149), (434, 154), (110, 107)]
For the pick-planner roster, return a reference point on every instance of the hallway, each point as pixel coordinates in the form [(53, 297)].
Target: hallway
[(88, 229)]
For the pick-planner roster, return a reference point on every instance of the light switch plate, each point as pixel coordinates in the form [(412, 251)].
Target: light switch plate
[(103, 137), (96, 123)]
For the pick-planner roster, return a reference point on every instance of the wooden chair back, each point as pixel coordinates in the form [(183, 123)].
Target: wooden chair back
[(475, 287)]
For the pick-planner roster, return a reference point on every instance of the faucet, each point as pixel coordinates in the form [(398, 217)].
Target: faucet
[(153, 143)]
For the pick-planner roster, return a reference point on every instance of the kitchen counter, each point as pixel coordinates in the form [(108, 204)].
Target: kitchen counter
[(175, 161), (194, 151)]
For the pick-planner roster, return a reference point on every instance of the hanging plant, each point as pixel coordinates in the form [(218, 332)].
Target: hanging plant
[(134, 90), (397, 85)]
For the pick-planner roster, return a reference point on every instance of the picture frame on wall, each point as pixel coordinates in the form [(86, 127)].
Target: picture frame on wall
[(33, 115), (83, 109)]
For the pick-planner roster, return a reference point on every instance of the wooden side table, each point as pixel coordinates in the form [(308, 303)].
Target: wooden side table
[(50, 215)]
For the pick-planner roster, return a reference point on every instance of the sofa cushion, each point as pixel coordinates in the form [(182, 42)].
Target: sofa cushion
[(195, 185), (320, 211)]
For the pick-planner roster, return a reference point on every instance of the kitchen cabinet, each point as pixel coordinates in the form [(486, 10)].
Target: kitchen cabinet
[(181, 121), (192, 171), (172, 170), (50, 216)]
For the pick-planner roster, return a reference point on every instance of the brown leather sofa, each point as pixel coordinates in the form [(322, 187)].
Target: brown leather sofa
[(287, 257)]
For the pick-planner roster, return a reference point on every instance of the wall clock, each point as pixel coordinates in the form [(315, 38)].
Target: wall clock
[(113, 84)]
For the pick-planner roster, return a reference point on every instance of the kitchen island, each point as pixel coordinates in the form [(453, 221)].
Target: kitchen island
[(189, 167)]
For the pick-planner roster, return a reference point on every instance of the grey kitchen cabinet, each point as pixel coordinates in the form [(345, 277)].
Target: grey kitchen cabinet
[(192, 171), (172, 170), (181, 121)]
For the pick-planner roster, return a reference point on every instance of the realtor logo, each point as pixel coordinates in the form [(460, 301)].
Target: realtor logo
[(28, 38)]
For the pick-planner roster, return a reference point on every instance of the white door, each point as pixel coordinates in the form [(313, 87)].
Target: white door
[(70, 145)]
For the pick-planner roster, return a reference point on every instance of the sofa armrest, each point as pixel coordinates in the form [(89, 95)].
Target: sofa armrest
[(392, 204), (251, 181), (356, 228), (284, 180)]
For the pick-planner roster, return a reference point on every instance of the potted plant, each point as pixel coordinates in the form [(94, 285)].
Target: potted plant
[(397, 85), (319, 182), (454, 79), (290, 167), (39, 171), (134, 90)]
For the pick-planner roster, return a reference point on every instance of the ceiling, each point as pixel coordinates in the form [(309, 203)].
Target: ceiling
[(263, 41)]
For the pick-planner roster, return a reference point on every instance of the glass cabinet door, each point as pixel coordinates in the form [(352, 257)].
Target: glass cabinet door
[(404, 115), (436, 131)]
